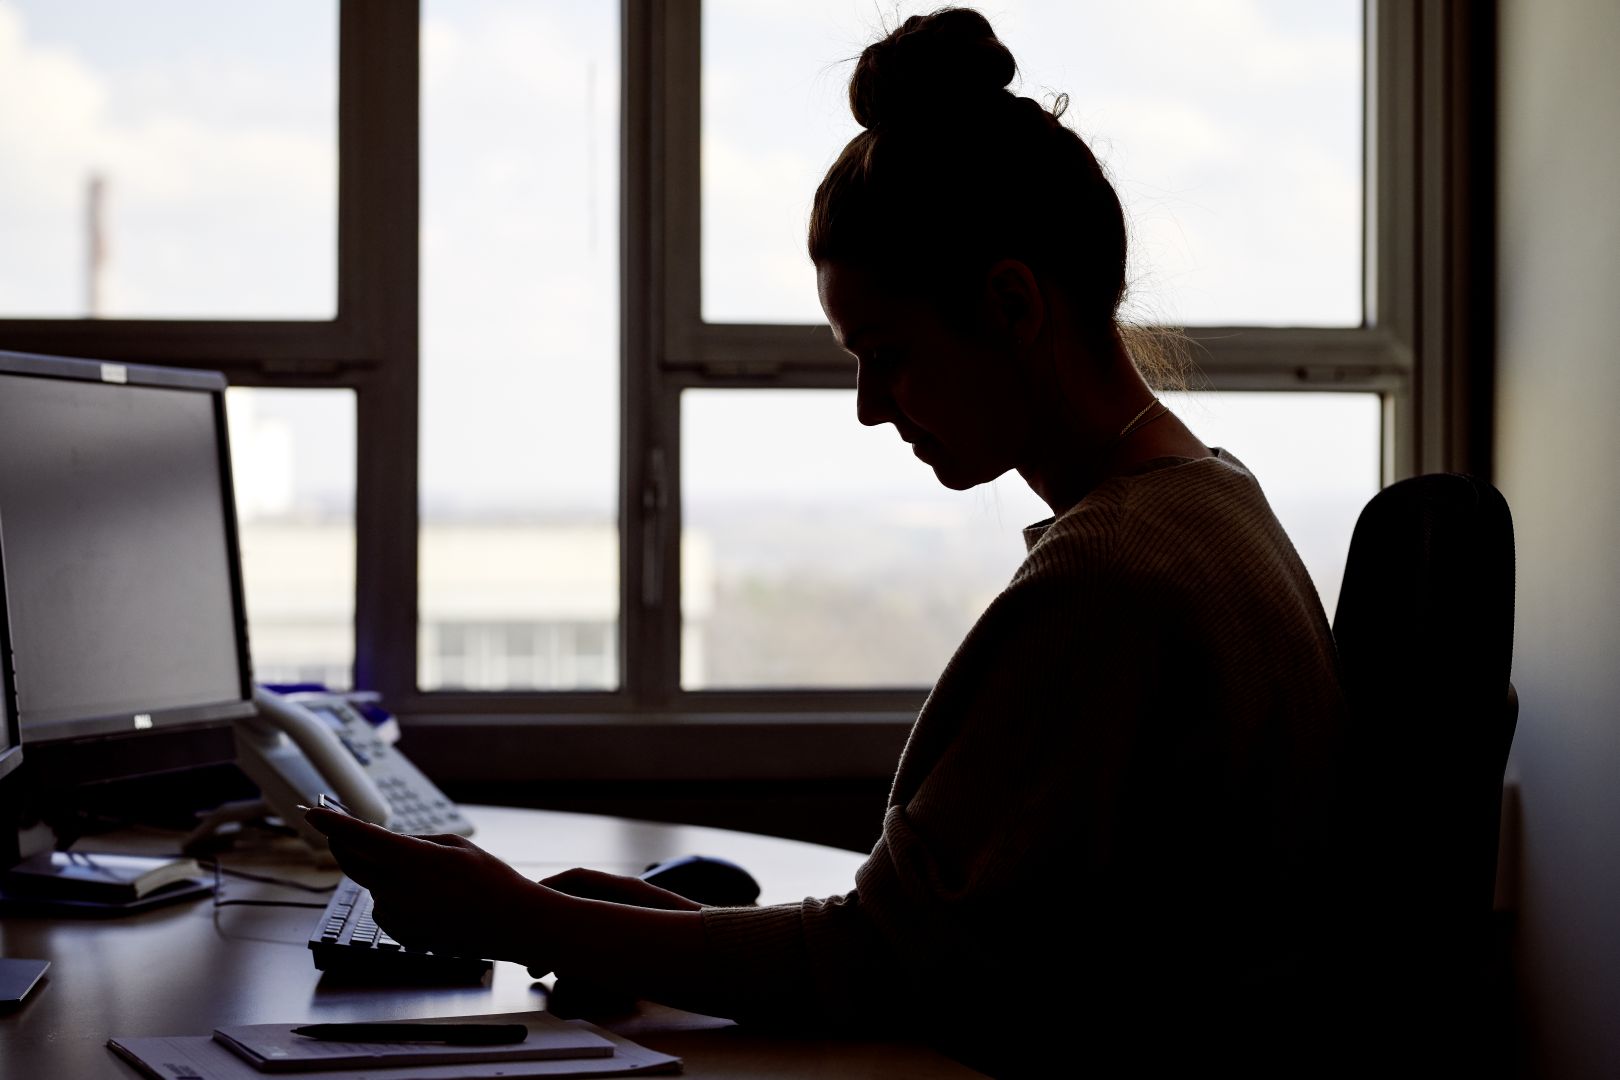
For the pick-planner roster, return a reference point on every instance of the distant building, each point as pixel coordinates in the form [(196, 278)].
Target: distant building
[(503, 605)]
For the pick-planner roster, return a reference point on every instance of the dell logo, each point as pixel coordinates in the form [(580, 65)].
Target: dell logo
[(143, 721)]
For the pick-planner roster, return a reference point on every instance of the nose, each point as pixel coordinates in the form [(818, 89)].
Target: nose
[(873, 405)]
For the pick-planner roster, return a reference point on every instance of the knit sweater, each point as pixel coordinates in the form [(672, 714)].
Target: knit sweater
[(1120, 782)]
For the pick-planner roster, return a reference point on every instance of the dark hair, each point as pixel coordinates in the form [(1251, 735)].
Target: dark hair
[(954, 172)]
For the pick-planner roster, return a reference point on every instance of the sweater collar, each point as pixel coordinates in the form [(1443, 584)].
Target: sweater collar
[(1033, 533)]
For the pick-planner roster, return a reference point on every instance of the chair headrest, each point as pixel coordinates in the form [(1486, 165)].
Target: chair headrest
[(1426, 608)]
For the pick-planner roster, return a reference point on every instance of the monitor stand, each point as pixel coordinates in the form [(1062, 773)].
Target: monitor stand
[(18, 977)]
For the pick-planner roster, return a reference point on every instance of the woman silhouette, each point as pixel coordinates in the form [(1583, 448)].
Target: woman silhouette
[(1105, 837)]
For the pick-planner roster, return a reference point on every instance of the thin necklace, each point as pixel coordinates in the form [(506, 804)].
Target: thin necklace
[(1137, 421)]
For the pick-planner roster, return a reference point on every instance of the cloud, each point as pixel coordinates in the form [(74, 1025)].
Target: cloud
[(207, 216)]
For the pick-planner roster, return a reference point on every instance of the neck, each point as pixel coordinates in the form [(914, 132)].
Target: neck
[(1085, 445)]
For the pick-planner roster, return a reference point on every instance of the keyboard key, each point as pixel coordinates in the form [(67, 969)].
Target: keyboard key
[(348, 939)]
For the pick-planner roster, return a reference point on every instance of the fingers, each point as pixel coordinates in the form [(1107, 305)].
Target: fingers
[(369, 854), (378, 843), (352, 831), (366, 872)]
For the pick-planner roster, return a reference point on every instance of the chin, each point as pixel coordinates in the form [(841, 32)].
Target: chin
[(958, 478), (953, 470), (954, 481)]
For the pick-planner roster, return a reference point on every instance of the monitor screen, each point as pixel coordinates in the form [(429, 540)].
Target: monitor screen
[(117, 530)]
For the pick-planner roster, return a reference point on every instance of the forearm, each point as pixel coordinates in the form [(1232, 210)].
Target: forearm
[(646, 952)]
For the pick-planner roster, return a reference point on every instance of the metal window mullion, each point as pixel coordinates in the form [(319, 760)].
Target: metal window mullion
[(378, 225), (1428, 227), (1430, 329), (680, 111), (786, 356), (1392, 140), (649, 514), (281, 350), (676, 102), (1456, 193)]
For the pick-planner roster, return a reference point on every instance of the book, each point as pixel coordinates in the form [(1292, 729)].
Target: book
[(44, 904), (275, 1048), (199, 1057), (109, 878)]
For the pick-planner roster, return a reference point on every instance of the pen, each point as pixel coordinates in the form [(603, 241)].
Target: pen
[(454, 1034)]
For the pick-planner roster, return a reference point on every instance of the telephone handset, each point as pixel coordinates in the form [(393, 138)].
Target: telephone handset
[(303, 744)]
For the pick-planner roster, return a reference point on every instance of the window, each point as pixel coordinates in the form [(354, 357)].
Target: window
[(292, 462), (542, 298), (520, 332)]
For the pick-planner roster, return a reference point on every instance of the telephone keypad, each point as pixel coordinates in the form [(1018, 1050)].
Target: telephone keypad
[(415, 803)]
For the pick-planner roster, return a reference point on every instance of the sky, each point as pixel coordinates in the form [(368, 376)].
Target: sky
[(1232, 128)]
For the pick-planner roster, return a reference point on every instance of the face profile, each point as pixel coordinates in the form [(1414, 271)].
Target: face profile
[(957, 398)]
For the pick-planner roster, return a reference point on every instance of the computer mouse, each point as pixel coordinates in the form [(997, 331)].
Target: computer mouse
[(708, 880)]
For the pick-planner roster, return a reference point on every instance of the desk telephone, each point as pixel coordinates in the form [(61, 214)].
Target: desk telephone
[(305, 744), (302, 744)]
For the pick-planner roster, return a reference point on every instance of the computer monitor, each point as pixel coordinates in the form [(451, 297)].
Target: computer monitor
[(118, 539), (10, 737)]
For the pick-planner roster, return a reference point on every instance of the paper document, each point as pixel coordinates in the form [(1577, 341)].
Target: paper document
[(199, 1057), (274, 1047)]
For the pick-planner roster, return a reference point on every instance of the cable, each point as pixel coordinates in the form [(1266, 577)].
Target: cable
[(266, 879), (219, 886)]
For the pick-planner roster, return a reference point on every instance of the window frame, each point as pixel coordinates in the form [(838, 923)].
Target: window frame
[(1424, 346), (1421, 73)]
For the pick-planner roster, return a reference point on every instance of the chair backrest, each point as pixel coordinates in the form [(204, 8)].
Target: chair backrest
[(1424, 629)]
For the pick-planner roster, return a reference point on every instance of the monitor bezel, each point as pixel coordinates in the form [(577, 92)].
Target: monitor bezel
[(11, 755), (146, 723)]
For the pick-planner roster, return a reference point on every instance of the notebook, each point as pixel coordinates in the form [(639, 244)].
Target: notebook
[(107, 878), (274, 1047), (200, 1057)]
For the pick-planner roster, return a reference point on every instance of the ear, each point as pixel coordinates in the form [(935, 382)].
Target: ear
[(1016, 304)]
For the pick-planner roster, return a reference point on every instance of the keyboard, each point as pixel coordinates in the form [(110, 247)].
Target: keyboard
[(347, 941)]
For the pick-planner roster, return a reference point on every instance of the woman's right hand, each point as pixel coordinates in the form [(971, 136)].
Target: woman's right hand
[(442, 892)]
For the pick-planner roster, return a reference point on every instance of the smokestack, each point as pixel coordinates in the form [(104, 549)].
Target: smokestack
[(96, 256)]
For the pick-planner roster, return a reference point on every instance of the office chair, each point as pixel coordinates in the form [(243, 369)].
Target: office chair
[(1424, 630)]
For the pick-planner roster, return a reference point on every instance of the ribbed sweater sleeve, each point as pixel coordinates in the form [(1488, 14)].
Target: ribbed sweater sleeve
[(1117, 774)]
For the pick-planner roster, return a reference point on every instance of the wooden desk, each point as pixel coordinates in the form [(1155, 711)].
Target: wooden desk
[(191, 967)]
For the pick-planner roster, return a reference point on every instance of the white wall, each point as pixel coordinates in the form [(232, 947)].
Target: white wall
[(1558, 463)]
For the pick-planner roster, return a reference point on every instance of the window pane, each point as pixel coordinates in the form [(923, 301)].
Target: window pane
[(824, 553), (827, 555), (172, 158), (1232, 129), (292, 459), (520, 345)]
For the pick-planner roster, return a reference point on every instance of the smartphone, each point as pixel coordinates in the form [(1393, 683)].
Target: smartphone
[(332, 803)]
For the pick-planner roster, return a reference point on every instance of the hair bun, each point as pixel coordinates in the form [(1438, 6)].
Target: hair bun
[(932, 63)]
